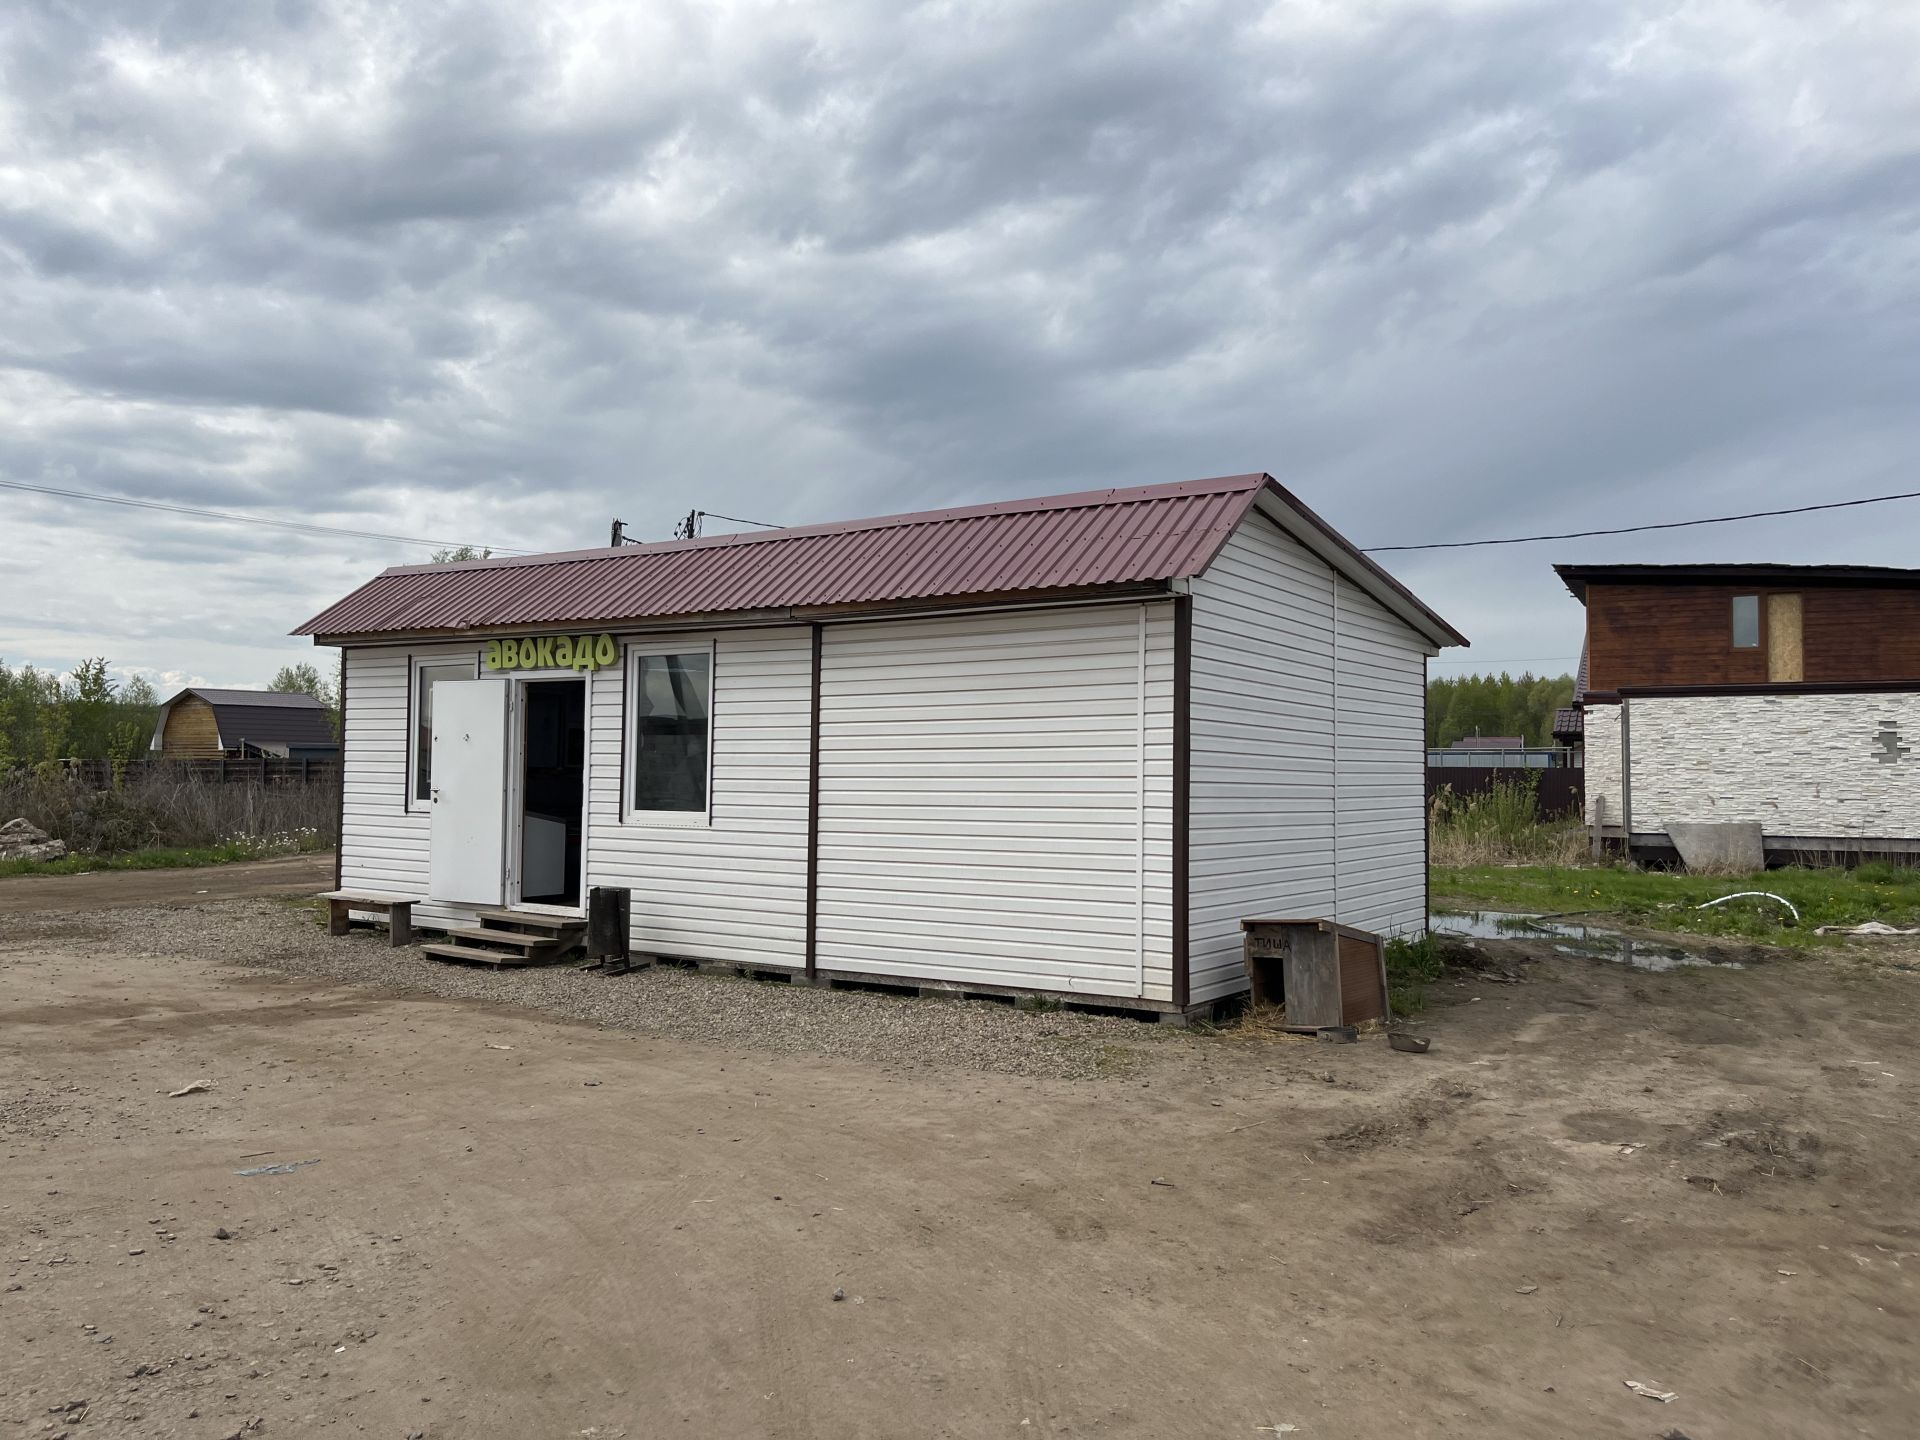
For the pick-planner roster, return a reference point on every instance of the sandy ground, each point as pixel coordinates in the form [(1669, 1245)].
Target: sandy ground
[(517, 1225), (111, 889)]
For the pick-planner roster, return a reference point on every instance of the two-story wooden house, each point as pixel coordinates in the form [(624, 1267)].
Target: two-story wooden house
[(1782, 695)]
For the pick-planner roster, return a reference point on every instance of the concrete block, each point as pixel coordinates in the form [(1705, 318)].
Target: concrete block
[(1735, 846)]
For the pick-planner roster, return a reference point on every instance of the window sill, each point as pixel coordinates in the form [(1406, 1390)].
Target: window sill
[(666, 820)]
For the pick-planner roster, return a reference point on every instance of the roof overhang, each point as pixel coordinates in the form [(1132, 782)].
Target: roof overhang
[(1577, 578), (1286, 509), (780, 615)]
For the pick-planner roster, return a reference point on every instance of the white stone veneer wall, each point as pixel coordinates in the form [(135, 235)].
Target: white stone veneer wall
[(1602, 761), (1798, 764)]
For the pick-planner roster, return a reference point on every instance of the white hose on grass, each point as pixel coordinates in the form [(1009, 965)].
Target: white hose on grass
[(1753, 894)]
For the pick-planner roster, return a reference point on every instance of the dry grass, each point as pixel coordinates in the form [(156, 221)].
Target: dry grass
[(161, 810), (1501, 826)]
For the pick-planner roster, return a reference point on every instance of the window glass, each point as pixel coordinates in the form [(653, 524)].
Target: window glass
[(1746, 622), (672, 697), (425, 677)]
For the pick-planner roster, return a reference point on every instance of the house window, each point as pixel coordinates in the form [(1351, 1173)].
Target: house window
[(670, 702), (425, 677), (1746, 622)]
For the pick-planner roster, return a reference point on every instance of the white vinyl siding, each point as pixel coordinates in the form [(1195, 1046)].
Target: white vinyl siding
[(732, 890), (735, 888), (1380, 768), (384, 844), (996, 802), (1296, 810)]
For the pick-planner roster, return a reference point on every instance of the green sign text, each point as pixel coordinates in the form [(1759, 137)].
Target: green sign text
[(552, 652)]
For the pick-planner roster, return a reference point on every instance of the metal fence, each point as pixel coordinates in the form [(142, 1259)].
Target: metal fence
[(1532, 757), (1558, 793), (268, 772)]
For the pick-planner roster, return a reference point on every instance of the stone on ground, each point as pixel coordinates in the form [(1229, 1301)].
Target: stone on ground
[(21, 839)]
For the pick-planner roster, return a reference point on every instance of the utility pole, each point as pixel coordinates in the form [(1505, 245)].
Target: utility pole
[(689, 528), (619, 533)]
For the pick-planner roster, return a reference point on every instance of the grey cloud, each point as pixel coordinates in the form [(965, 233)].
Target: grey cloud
[(506, 271)]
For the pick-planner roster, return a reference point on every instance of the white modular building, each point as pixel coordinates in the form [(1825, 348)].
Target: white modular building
[(1059, 746)]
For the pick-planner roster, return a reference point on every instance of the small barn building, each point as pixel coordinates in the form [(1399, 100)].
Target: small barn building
[(203, 724), (1061, 745)]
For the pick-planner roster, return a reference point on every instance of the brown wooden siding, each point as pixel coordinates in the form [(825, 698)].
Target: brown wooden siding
[(1860, 635), (191, 731), (1641, 634)]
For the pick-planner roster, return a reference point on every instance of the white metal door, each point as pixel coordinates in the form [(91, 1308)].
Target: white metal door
[(469, 861)]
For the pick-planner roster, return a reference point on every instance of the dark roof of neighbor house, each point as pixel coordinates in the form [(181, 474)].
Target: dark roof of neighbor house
[(1569, 722), (1098, 539), (253, 699), (259, 717), (1577, 577)]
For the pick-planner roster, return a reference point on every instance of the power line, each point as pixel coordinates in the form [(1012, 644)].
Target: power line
[(689, 528), (735, 519), (1636, 529), (232, 518)]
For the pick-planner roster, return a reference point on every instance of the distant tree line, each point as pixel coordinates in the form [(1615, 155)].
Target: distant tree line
[(1520, 705), (46, 718)]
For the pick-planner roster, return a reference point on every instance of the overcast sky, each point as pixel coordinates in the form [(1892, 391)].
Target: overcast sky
[(1447, 268)]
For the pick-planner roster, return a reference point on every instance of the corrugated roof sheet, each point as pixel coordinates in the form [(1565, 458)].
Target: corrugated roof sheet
[(276, 698), (1098, 538), (1103, 537), (273, 724)]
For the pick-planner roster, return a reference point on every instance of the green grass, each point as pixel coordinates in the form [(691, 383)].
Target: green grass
[(1664, 900), (1411, 966), (182, 858)]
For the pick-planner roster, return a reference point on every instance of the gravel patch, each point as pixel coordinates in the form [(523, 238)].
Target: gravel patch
[(899, 1033)]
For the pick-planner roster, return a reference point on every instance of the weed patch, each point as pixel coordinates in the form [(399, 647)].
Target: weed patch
[(1669, 900), (1502, 826), (1412, 965)]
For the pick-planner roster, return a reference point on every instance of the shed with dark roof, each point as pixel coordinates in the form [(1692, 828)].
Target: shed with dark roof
[(202, 724), (1059, 745)]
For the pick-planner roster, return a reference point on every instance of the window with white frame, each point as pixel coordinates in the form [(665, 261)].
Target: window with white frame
[(426, 675), (669, 719)]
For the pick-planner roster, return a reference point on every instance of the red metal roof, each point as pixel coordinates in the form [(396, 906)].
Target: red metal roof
[(1098, 538)]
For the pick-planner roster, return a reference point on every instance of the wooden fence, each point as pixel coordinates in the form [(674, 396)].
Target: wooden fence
[(266, 772), (1562, 790)]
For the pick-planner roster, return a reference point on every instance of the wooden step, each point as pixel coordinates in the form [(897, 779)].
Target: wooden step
[(518, 939), (474, 955), (530, 920)]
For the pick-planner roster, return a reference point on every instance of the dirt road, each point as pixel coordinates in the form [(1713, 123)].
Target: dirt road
[(518, 1226), (104, 889)]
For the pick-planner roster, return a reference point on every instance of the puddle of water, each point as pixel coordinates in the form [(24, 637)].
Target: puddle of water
[(1570, 937)]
